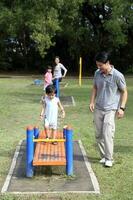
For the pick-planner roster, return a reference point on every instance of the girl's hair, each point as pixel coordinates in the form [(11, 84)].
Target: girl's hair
[(57, 57), (102, 57), (49, 67), (50, 89)]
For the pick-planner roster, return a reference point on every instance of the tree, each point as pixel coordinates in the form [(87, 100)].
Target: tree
[(96, 25), (30, 21), (81, 27)]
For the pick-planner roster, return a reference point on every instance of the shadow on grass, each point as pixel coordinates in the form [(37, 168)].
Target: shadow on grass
[(125, 149), (90, 159), (94, 160)]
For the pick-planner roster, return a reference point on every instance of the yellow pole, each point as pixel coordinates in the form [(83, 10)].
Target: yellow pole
[(80, 71)]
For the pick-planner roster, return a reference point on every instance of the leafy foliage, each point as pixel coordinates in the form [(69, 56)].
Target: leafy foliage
[(83, 26)]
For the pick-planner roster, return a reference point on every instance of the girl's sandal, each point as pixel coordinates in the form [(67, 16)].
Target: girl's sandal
[(54, 143)]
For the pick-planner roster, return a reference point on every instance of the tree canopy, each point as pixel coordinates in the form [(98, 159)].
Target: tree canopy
[(33, 31)]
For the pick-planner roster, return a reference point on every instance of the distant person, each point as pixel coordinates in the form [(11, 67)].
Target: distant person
[(58, 71), (48, 77), (108, 99), (49, 112)]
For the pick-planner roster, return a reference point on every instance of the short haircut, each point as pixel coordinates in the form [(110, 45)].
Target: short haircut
[(102, 57), (50, 89), (49, 67)]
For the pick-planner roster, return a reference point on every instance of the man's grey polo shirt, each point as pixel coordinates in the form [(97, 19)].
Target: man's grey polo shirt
[(108, 89)]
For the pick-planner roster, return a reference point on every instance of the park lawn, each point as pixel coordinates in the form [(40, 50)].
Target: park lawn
[(20, 107)]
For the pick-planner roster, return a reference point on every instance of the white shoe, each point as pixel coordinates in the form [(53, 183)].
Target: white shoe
[(102, 161), (108, 163)]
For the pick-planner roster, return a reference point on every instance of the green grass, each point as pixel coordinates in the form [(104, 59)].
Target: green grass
[(19, 107)]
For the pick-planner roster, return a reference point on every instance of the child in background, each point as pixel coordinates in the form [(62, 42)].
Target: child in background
[(48, 77), (49, 112)]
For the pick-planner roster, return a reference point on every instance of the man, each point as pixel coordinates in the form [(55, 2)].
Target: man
[(108, 99)]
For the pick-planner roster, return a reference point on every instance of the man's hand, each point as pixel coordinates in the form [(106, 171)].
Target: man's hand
[(120, 114), (92, 106)]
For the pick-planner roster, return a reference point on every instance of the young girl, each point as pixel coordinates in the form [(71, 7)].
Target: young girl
[(48, 77), (49, 112)]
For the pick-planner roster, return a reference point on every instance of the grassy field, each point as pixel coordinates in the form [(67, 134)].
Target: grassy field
[(19, 107)]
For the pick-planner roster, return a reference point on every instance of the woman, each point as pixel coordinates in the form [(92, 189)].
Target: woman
[(57, 76)]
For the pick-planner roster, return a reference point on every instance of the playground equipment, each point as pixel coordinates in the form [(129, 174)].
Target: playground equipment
[(41, 152)]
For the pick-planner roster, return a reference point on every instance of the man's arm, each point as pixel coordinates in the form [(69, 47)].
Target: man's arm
[(123, 100)]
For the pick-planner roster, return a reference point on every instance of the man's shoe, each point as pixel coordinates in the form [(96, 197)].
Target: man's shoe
[(108, 163), (102, 161)]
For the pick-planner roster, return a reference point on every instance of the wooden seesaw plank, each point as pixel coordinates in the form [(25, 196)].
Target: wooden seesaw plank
[(48, 154)]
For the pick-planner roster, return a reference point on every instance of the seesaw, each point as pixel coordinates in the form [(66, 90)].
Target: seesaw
[(41, 152)]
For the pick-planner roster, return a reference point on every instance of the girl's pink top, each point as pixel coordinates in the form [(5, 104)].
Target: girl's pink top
[(47, 79)]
